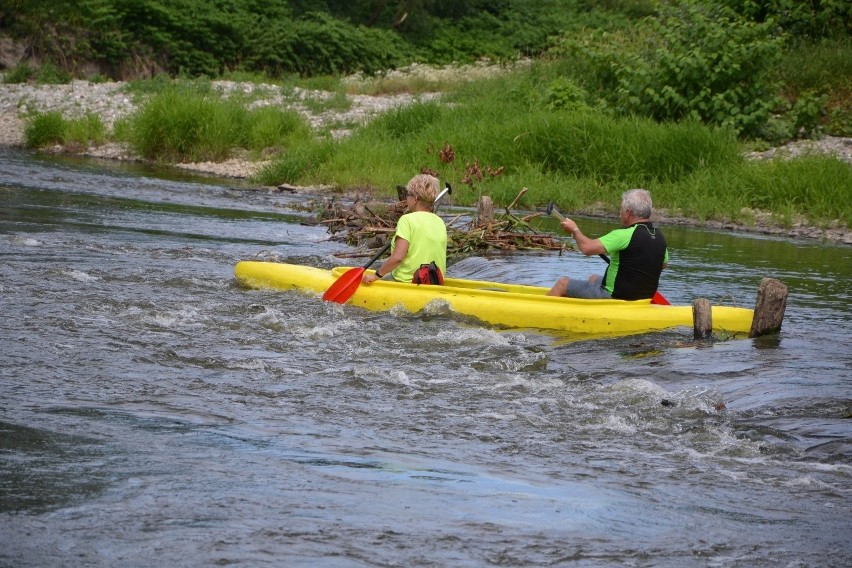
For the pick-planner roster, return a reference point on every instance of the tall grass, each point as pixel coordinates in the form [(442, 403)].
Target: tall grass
[(507, 136), (181, 123), (45, 129), (85, 130)]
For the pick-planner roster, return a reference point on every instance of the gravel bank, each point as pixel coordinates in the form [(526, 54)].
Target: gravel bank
[(109, 102)]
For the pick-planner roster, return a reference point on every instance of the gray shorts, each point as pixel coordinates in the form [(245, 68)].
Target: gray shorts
[(582, 288)]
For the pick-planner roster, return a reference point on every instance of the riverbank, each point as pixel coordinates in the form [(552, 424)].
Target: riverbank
[(111, 102)]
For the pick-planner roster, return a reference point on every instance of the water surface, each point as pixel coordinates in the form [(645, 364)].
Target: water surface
[(154, 412)]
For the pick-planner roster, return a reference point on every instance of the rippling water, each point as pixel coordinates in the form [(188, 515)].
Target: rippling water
[(153, 412)]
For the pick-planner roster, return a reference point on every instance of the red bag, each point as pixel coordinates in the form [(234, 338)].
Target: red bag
[(428, 274)]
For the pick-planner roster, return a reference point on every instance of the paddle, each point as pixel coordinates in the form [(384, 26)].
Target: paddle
[(345, 286), (657, 299)]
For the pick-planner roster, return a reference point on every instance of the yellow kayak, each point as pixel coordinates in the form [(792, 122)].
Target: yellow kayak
[(507, 305)]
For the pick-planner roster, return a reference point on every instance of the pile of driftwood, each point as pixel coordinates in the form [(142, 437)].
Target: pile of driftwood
[(365, 223)]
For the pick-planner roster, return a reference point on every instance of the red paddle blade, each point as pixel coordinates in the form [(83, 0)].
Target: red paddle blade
[(660, 299), (344, 287)]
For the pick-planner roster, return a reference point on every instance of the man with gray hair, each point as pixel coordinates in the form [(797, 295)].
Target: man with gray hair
[(638, 252)]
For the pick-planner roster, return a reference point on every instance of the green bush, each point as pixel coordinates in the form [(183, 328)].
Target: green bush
[(706, 64), (822, 71), (808, 20)]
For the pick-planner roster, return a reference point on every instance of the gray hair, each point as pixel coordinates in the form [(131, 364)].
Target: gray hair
[(638, 202)]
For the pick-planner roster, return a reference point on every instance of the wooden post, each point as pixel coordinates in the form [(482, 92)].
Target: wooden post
[(485, 211), (769, 309), (702, 318)]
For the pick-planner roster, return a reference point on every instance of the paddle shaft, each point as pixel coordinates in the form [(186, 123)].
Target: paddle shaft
[(378, 254)]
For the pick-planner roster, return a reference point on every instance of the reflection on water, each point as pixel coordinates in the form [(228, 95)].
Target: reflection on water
[(156, 413)]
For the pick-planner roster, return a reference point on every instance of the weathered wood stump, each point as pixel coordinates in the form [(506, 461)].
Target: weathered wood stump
[(702, 318), (769, 309), (485, 211)]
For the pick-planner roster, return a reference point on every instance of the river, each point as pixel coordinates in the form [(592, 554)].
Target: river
[(155, 413)]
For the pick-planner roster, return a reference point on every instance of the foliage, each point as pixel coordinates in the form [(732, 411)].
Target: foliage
[(214, 37), (20, 73), (50, 128), (324, 45), (499, 136), (692, 62), (190, 122), (809, 20), (824, 70), (617, 102), (44, 129)]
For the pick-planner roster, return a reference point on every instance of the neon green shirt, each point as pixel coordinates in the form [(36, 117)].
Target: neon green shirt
[(427, 241)]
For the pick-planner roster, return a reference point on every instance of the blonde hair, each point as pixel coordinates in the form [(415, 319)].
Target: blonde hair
[(424, 188)]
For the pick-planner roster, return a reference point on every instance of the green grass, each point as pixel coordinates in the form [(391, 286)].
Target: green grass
[(44, 129), (88, 129), (50, 128), (581, 160), (184, 123), (531, 128)]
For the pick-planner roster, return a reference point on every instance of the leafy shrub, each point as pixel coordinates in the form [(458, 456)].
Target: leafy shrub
[(707, 65), (563, 93), (821, 69), (807, 112), (809, 20), (324, 46), (695, 61)]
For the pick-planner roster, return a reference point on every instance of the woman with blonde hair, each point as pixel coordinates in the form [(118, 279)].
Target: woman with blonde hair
[(421, 236)]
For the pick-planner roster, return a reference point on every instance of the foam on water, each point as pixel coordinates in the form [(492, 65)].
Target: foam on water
[(81, 276)]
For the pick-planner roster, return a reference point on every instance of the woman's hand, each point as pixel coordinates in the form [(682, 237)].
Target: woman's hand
[(369, 278)]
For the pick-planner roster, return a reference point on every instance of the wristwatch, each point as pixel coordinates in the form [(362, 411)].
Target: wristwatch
[(379, 275)]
